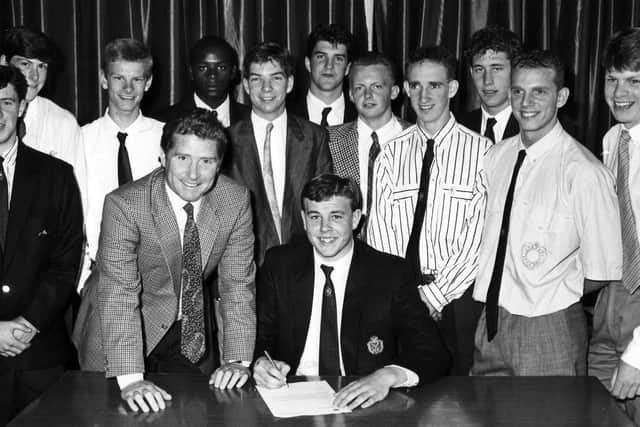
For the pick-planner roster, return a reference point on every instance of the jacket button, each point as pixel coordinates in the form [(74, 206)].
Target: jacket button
[(6, 289), (163, 326)]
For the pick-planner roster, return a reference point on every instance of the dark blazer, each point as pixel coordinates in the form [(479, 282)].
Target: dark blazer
[(307, 154), (237, 111), (343, 145), (298, 106), (43, 249), (473, 121), (381, 306)]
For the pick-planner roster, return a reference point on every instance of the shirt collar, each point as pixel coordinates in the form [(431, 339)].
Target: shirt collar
[(9, 156), (177, 203), (501, 117), (384, 132), (341, 264), (634, 132), (313, 100), (259, 122), (544, 144), (138, 124), (442, 133), (221, 110)]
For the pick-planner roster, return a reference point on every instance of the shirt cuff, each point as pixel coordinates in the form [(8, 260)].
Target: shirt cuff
[(631, 355), (435, 296), (242, 362), (128, 379), (412, 378)]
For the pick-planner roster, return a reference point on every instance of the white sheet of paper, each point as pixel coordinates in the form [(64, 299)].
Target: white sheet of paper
[(302, 398)]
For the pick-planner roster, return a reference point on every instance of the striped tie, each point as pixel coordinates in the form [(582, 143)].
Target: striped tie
[(630, 246), (269, 184)]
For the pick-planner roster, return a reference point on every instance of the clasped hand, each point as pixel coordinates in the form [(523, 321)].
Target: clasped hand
[(15, 337)]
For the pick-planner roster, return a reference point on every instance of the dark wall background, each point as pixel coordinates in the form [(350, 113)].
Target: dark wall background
[(576, 30)]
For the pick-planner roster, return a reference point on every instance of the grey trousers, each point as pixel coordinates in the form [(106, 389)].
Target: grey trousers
[(616, 315), (553, 344)]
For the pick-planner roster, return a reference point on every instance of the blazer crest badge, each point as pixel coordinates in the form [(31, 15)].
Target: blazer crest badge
[(375, 345)]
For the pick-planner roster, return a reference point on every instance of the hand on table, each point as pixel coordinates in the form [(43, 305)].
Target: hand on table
[(14, 338), (144, 395), (370, 389), (625, 382), (265, 375), (230, 375)]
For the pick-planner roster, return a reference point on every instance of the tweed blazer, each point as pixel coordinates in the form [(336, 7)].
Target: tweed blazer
[(343, 145), (140, 261)]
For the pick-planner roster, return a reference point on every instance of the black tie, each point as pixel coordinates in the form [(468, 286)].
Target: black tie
[(325, 114), (374, 150), (192, 343), (124, 167), (4, 204), (329, 360), (413, 247), (496, 277), (488, 131)]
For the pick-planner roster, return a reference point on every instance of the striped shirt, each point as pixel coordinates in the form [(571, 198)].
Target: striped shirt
[(450, 236)]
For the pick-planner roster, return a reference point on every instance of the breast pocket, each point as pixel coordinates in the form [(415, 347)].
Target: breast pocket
[(403, 205)]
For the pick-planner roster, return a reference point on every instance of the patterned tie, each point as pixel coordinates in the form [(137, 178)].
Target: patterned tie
[(124, 167), (4, 204), (488, 132), (329, 360), (413, 247), (630, 246), (269, 185), (325, 114), (496, 277), (374, 150), (192, 343)]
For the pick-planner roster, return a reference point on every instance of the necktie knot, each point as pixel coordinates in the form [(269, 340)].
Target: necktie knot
[(269, 128), (491, 121), (188, 208), (625, 137), (327, 269), (431, 143), (325, 115), (488, 131), (122, 137)]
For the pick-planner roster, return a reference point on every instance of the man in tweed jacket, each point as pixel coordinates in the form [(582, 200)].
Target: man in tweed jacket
[(372, 86), (141, 297)]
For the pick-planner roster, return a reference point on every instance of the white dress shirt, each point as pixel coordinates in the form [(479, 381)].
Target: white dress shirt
[(502, 118), (565, 224), (53, 130), (315, 107), (9, 168), (610, 141), (101, 152), (309, 361), (391, 129), (224, 116), (278, 149), (450, 235)]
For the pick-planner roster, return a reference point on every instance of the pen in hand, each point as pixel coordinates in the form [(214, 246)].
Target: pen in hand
[(266, 354)]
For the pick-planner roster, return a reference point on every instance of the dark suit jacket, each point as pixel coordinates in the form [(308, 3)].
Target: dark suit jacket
[(307, 154), (237, 111), (298, 106), (42, 256), (124, 317), (343, 145), (380, 301), (473, 121)]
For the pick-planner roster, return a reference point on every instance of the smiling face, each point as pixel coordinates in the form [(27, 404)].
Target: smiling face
[(212, 73), (327, 66), (622, 93), (330, 224), (430, 90), (34, 70), (491, 74), (372, 90), (267, 86), (191, 166), (126, 82), (10, 109), (535, 100)]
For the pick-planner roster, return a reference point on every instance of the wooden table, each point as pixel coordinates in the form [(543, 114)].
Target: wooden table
[(88, 399)]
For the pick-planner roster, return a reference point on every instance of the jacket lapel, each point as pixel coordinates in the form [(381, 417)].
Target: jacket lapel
[(352, 307), (25, 186), (301, 291), (297, 153), (351, 151), (166, 226), (512, 128), (208, 223)]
